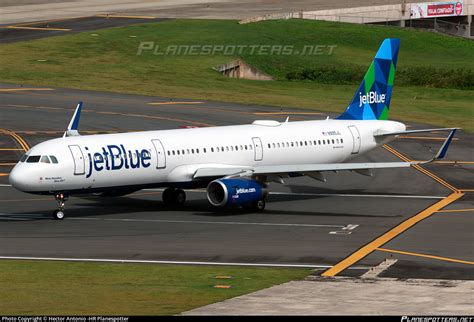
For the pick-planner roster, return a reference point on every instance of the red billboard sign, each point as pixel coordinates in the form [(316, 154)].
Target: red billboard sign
[(436, 9)]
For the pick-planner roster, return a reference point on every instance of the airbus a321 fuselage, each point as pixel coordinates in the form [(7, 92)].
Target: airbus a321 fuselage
[(234, 163)]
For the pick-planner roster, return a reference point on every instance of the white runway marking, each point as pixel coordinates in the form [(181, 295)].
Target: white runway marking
[(173, 262), (347, 230), (213, 222)]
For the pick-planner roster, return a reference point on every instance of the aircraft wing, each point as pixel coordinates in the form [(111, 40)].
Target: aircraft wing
[(301, 169), (379, 134), (313, 170)]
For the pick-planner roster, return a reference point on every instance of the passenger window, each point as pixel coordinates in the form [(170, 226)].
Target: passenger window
[(197, 150), (342, 141), (23, 158), (33, 159), (245, 147), (53, 159), (332, 141), (269, 146), (45, 159), (204, 149)]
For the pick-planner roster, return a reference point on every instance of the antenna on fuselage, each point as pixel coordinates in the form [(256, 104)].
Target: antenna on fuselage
[(74, 123)]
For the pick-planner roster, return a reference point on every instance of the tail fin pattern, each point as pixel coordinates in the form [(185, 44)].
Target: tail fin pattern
[(372, 99)]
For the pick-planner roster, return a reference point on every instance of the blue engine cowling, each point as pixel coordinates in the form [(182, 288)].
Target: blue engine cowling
[(235, 192)]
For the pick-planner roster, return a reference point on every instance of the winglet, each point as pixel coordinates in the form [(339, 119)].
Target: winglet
[(444, 148), (74, 123)]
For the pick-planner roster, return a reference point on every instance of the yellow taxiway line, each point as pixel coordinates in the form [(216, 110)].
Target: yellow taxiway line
[(425, 138), (451, 162), (24, 89), (37, 28), (24, 146), (174, 103), (426, 256), (286, 113), (125, 17), (394, 232), (420, 168), (458, 210)]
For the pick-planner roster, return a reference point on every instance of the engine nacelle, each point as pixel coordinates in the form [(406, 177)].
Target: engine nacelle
[(235, 192)]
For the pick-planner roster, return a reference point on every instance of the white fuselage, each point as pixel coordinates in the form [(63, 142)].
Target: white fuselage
[(170, 157)]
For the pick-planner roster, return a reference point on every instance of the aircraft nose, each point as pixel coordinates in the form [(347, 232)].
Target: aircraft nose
[(18, 179)]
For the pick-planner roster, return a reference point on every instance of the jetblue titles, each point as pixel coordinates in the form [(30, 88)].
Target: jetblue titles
[(371, 97), (116, 157)]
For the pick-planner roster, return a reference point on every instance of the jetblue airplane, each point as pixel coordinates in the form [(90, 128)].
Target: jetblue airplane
[(234, 163)]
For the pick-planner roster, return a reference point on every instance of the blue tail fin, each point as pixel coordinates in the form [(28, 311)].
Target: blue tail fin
[(372, 99)]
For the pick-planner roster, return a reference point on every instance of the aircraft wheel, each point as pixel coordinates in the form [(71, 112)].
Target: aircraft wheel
[(168, 196), (180, 197), (58, 214), (260, 205)]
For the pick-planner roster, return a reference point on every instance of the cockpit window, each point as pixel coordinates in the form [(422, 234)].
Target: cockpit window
[(45, 159), (53, 159), (33, 159), (23, 158)]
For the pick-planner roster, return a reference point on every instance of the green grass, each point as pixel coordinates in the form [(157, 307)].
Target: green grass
[(109, 62), (61, 288)]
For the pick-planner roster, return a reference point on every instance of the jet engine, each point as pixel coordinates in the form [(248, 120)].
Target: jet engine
[(237, 193)]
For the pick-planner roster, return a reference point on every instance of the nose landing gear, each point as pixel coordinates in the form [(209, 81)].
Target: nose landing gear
[(58, 214)]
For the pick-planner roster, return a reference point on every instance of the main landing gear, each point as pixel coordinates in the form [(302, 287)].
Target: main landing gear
[(174, 197), (58, 214), (257, 206)]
